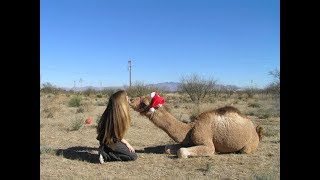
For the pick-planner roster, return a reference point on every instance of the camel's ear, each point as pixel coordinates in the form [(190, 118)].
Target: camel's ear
[(145, 102)]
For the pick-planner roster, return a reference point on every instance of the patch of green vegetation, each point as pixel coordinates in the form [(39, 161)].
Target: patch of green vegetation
[(76, 124), (75, 101)]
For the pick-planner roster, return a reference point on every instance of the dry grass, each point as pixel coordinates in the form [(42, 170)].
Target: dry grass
[(66, 154)]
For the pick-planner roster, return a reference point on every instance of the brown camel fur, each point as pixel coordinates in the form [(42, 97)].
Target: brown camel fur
[(222, 130)]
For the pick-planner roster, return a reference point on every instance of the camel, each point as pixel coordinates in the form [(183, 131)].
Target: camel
[(222, 130)]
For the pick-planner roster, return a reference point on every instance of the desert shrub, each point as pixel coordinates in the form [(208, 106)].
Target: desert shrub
[(76, 124), (49, 115), (250, 113), (173, 98), (196, 87), (89, 91), (195, 112), (272, 111), (50, 95), (262, 113), (80, 110), (264, 116), (48, 112), (274, 87), (75, 101), (241, 96), (269, 132), (140, 89), (70, 92), (101, 103), (277, 108), (99, 95), (107, 92), (183, 98), (254, 105), (49, 88), (229, 90), (235, 101), (250, 92)]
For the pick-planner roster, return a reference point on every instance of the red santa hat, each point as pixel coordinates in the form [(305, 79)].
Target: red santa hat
[(156, 101)]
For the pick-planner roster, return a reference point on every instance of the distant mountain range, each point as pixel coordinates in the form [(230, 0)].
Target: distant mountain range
[(168, 86)]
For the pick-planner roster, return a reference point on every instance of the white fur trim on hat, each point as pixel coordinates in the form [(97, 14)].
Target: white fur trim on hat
[(151, 110), (152, 94)]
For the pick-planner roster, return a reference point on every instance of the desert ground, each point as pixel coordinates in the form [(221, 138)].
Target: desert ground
[(68, 146)]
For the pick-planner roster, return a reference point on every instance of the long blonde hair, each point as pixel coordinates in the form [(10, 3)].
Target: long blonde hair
[(115, 120)]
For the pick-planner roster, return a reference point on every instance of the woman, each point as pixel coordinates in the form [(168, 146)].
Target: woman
[(111, 129)]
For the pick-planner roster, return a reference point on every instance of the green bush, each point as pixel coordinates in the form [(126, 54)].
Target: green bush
[(76, 124), (75, 101)]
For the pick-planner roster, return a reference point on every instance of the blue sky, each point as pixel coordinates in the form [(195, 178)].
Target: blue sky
[(235, 42)]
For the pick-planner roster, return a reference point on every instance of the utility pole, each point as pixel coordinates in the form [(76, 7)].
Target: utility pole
[(129, 68), (80, 81)]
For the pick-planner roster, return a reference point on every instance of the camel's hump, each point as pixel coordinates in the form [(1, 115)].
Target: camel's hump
[(227, 109)]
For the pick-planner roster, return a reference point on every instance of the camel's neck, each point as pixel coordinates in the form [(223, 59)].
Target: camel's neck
[(176, 129)]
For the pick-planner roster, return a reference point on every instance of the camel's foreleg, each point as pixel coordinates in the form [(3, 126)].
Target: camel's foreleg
[(172, 148), (201, 137), (196, 151)]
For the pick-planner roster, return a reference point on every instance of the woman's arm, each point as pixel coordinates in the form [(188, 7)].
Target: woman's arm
[(128, 145)]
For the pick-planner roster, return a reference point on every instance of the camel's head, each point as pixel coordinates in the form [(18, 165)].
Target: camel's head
[(140, 104), (146, 104)]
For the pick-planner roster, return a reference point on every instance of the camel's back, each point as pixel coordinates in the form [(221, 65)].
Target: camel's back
[(231, 130)]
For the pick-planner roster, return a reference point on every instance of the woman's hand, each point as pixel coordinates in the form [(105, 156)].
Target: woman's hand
[(128, 145), (130, 148)]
